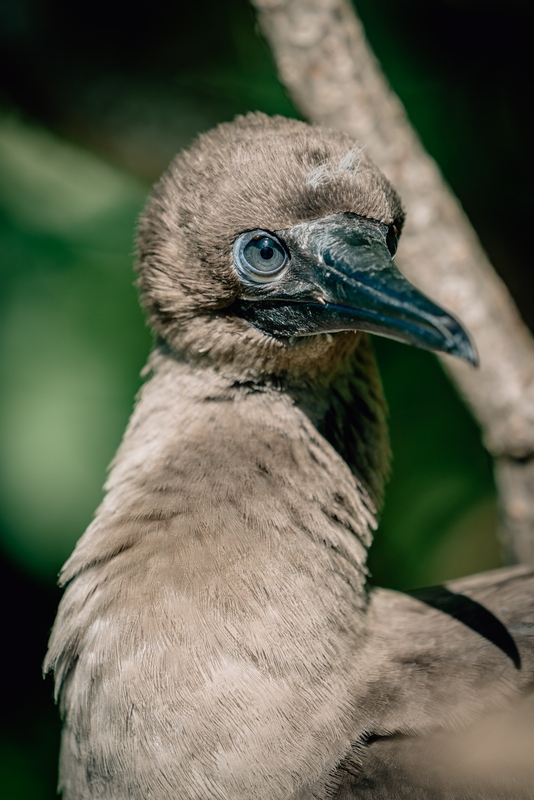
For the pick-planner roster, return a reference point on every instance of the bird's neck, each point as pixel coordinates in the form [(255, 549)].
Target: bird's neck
[(230, 469), (223, 581)]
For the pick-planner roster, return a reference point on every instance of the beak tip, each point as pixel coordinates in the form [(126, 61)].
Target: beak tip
[(474, 359), (465, 349)]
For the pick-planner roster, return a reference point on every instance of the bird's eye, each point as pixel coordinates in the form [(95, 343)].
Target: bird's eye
[(259, 256), (392, 239)]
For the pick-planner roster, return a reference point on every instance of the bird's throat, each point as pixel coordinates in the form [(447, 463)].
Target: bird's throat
[(229, 466)]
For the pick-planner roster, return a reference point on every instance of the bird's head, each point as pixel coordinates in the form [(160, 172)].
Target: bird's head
[(269, 232)]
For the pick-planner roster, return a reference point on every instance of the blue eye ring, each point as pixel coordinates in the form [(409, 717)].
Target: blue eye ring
[(259, 256)]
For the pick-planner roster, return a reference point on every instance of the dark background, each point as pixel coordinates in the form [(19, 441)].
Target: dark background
[(94, 101)]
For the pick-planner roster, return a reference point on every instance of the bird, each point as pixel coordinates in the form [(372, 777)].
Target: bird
[(217, 637)]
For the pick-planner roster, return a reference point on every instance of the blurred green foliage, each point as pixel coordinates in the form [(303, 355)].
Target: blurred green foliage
[(92, 112), (72, 336)]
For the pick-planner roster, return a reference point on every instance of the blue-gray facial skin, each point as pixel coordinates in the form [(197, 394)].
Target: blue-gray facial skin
[(338, 274)]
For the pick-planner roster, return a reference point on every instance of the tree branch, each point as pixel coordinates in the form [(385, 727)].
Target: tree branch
[(334, 78)]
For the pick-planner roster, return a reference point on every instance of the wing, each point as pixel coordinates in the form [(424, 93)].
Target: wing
[(446, 701), (493, 759)]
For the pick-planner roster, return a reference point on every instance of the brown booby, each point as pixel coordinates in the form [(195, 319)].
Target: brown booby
[(217, 638)]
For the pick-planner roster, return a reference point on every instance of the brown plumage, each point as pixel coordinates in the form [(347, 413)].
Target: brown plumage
[(216, 638)]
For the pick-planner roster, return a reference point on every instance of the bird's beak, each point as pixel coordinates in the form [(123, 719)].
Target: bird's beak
[(341, 276)]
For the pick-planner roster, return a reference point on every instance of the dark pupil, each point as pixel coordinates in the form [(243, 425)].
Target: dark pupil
[(263, 254), (266, 252)]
